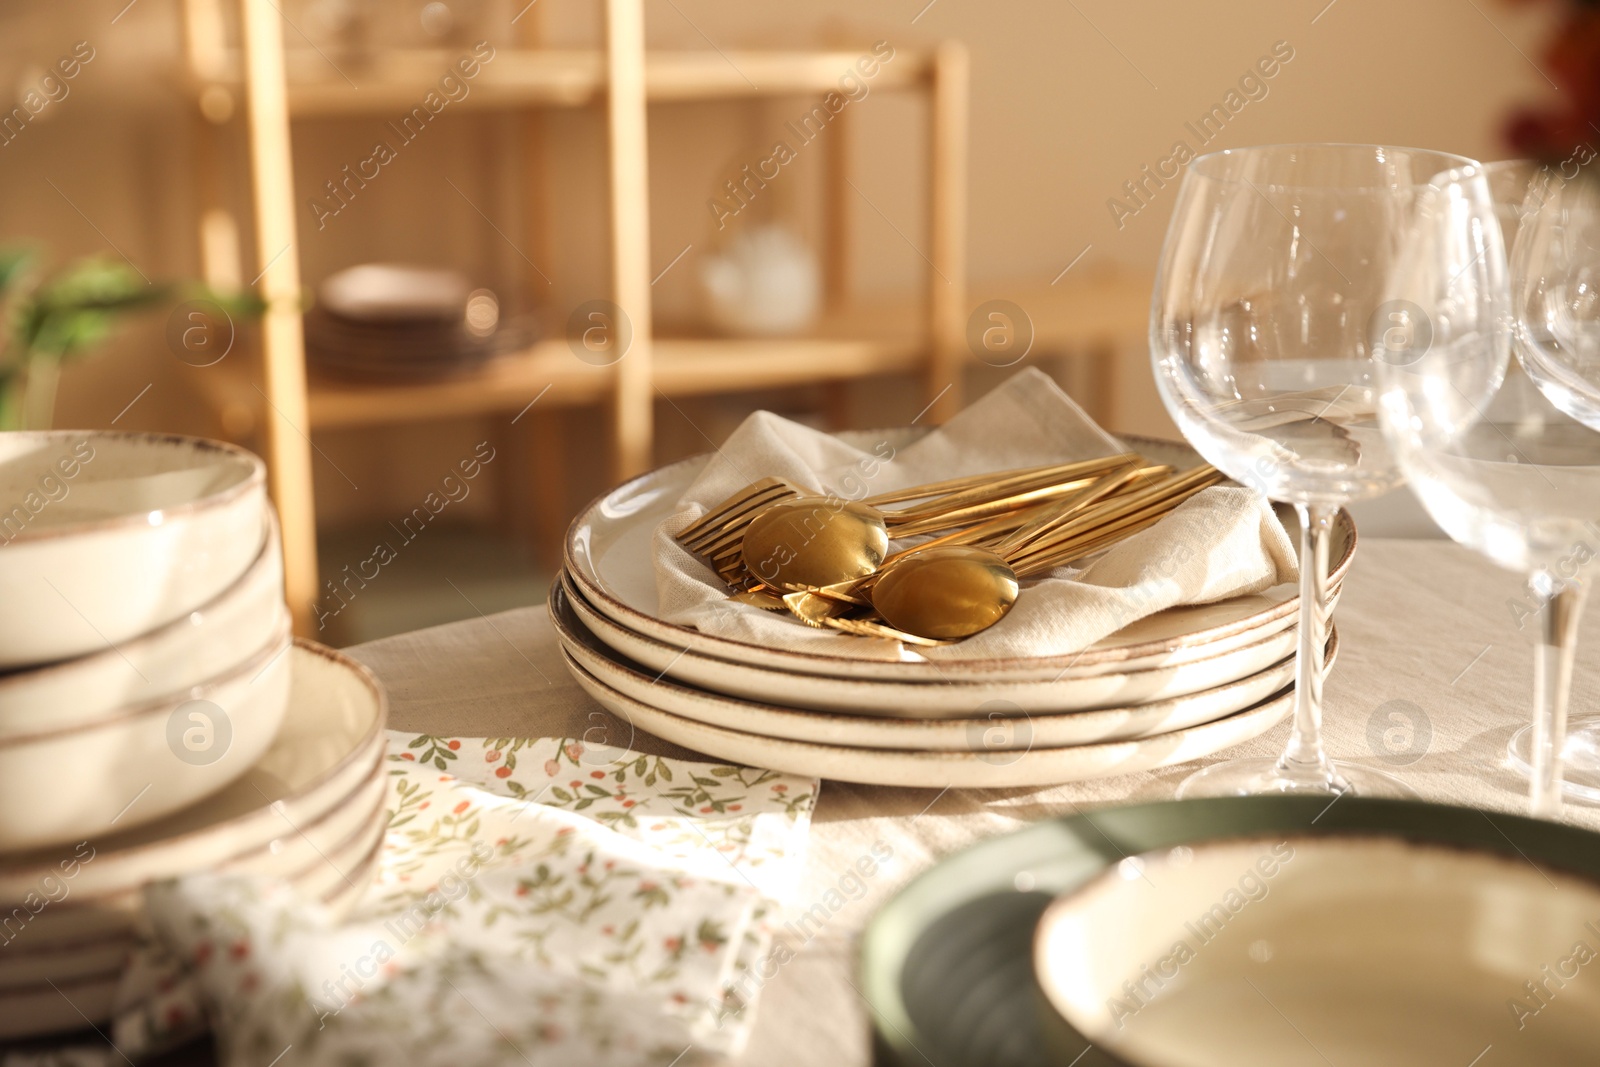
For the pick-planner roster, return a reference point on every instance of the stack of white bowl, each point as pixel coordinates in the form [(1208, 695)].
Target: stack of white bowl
[(1166, 689), (156, 716)]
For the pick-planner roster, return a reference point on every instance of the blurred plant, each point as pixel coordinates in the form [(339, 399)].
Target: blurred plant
[(1567, 130), (47, 321)]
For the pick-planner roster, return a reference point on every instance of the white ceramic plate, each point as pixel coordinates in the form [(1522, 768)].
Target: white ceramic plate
[(1313, 950), (995, 728), (607, 554), (329, 742), (205, 643), (959, 697), (111, 535), (58, 947), (990, 769), (57, 1005), (85, 781)]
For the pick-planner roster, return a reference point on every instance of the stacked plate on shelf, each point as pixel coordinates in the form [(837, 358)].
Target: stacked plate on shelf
[(395, 322), (1174, 686), (156, 718)]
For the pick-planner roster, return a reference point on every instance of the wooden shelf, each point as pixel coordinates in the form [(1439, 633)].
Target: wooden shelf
[(281, 401), (1082, 310), (682, 367), (392, 83), (860, 341)]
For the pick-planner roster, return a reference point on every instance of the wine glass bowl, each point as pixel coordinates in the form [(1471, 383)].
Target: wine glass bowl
[(1557, 291), (1271, 313)]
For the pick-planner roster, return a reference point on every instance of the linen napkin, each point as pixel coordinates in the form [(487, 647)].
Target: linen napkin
[(1223, 542), (538, 900)]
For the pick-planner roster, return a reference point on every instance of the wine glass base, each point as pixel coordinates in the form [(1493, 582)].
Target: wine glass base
[(1580, 759), (1264, 777)]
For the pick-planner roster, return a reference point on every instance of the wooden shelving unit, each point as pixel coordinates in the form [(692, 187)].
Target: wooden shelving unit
[(287, 405), (566, 78)]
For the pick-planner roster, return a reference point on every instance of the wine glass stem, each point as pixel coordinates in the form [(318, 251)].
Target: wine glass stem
[(1304, 759), (1562, 603)]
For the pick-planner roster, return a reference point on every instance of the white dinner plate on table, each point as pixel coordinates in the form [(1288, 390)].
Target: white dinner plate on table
[(987, 769), (992, 726), (63, 949), (326, 756), (318, 869), (58, 1003), (958, 696), (607, 554)]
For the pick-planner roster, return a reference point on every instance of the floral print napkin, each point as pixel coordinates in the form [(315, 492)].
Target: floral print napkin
[(537, 901)]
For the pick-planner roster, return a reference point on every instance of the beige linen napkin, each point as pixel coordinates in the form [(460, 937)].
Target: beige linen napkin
[(1223, 542)]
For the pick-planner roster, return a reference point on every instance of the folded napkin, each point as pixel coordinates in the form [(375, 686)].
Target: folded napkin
[(537, 901), (1222, 542)]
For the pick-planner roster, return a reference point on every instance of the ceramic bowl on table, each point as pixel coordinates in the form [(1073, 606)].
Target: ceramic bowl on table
[(138, 763), (208, 641), (1244, 931), (106, 536)]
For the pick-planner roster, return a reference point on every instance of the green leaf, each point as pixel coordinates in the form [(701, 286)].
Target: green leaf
[(14, 263), (724, 772)]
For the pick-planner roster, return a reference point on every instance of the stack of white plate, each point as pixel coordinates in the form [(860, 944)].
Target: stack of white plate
[(1172, 687), (156, 718)]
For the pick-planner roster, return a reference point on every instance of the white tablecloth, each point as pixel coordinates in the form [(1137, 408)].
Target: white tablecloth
[(1429, 634)]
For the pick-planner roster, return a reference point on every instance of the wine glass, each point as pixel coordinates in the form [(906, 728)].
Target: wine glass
[(1554, 272), (1273, 276)]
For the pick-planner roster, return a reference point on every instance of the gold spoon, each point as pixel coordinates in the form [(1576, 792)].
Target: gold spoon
[(813, 541), (817, 541), (945, 592), (814, 604), (954, 591)]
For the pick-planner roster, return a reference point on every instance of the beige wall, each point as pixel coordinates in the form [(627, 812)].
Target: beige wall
[(1069, 101)]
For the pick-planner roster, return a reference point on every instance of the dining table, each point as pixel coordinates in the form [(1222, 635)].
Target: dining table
[(1434, 675)]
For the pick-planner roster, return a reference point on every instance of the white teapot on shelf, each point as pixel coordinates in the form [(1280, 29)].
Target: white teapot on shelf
[(764, 282)]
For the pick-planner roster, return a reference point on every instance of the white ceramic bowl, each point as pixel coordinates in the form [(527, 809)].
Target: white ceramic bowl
[(206, 643), (79, 783), (106, 536), (1297, 949)]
